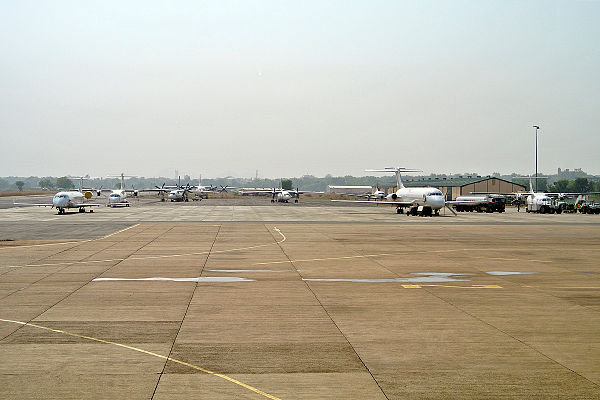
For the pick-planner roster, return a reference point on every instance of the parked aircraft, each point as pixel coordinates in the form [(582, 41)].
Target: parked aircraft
[(541, 202), (278, 195), (424, 201), (118, 197), (67, 199)]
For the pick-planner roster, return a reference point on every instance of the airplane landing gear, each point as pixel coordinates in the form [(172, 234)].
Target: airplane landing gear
[(91, 210), (81, 210)]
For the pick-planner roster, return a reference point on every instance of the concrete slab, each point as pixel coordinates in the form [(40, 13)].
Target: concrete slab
[(400, 334)]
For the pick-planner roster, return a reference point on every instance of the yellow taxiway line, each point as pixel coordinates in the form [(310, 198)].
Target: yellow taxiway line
[(206, 371)]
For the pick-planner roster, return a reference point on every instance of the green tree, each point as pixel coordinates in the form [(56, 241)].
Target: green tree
[(560, 186), (286, 184), (64, 183), (19, 185), (582, 185), (46, 183)]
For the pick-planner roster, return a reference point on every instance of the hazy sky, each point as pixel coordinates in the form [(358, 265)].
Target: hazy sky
[(297, 87)]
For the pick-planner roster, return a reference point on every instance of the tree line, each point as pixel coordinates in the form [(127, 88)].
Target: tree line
[(307, 182)]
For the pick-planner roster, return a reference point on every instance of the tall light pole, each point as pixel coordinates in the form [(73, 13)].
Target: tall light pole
[(536, 140)]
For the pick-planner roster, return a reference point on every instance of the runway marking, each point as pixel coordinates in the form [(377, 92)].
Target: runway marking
[(396, 254), (150, 257), (75, 241), (423, 277), (206, 371), (222, 279)]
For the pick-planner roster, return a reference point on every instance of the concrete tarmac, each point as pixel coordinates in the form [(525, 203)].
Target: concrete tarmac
[(297, 302)]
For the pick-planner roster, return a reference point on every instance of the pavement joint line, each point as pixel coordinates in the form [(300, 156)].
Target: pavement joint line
[(184, 315), (149, 257), (52, 273), (66, 296), (167, 358), (329, 315), (522, 342), (74, 241)]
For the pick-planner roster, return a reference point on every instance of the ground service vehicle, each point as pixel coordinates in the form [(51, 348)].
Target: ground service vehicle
[(488, 203)]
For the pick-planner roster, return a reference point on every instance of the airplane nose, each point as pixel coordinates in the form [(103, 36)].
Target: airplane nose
[(435, 202), (59, 202)]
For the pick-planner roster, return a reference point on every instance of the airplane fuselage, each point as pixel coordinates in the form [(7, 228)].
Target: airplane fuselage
[(71, 199), (177, 195), (117, 198), (284, 196), (62, 200), (425, 197)]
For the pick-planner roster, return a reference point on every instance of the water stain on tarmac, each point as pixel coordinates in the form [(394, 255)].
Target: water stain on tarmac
[(424, 277), (225, 279)]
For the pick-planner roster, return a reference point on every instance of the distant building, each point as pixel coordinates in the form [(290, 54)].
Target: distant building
[(349, 189)]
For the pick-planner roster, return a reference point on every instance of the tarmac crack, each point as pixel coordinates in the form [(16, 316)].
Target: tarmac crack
[(328, 314), (70, 293), (185, 314)]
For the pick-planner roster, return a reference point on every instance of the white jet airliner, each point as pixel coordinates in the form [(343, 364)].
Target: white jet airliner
[(67, 199), (424, 201)]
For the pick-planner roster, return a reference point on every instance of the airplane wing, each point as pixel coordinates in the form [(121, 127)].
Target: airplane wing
[(166, 190), (385, 203), (259, 191), (33, 204), (572, 194)]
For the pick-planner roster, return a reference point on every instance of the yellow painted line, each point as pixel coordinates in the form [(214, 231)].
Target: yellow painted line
[(153, 257), (331, 258), (206, 371), (75, 241), (417, 286)]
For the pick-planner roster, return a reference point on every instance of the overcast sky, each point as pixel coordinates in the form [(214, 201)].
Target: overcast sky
[(297, 87)]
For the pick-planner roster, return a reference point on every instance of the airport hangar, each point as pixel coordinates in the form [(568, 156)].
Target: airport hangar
[(463, 186)]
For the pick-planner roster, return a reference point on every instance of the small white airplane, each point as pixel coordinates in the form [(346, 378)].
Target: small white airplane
[(424, 201), (118, 197), (180, 194), (279, 195), (67, 199), (376, 195)]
